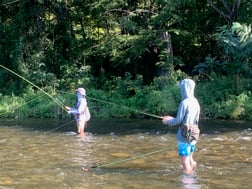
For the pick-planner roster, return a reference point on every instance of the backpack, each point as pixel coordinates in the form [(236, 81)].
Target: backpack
[(190, 132)]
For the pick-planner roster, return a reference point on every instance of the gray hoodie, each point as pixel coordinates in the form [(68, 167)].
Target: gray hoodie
[(189, 108)]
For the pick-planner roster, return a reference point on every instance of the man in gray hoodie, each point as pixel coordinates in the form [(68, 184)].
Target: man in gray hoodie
[(188, 114)]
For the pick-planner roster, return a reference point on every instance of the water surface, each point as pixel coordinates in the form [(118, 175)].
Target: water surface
[(47, 154)]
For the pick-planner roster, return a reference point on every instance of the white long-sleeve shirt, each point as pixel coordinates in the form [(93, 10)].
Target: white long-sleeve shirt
[(81, 111)]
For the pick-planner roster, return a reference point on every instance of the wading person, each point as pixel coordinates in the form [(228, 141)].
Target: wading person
[(81, 112), (187, 120)]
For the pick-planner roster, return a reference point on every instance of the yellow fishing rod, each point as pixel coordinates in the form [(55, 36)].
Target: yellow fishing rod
[(50, 96), (125, 107)]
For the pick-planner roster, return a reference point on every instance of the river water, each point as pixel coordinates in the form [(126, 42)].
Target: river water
[(120, 154)]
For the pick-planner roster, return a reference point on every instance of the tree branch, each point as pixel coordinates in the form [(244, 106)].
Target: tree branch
[(217, 9), (9, 3)]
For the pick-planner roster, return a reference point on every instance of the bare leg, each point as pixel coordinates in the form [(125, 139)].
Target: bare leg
[(80, 127), (192, 162), (186, 163)]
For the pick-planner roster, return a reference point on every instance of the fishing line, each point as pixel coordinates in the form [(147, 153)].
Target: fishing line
[(57, 102), (22, 104), (59, 126), (128, 159), (125, 107)]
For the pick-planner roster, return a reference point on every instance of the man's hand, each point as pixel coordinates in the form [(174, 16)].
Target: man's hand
[(67, 108), (166, 119)]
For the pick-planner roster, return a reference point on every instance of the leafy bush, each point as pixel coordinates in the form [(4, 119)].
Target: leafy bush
[(219, 99), (128, 98)]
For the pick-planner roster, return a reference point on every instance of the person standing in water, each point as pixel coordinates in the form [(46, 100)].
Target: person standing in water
[(81, 112), (187, 115)]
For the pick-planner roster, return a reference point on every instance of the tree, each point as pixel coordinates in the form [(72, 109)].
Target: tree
[(227, 9), (236, 42)]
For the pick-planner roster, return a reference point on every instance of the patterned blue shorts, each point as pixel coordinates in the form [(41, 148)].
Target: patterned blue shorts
[(185, 149)]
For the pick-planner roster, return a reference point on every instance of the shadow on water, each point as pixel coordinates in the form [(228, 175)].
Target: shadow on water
[(96, 127), (223, 126), (125, 126)]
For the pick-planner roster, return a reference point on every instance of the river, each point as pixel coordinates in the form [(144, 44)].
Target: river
[(120, 154)]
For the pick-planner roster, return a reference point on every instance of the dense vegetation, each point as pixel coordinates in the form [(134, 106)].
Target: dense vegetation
[(128, 54)]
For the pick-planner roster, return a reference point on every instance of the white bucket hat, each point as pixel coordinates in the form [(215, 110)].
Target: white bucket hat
[(82, 91)]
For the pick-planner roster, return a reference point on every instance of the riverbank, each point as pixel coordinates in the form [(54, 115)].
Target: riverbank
[(141, 102)]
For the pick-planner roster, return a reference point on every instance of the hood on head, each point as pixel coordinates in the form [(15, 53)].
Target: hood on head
[(187, 88)]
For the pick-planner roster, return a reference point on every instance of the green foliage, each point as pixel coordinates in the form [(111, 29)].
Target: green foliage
[(8, 104), (219, 99), (235, 107), (128, 98), (163, 102), (237, 45), (127, 52), (211, 68)]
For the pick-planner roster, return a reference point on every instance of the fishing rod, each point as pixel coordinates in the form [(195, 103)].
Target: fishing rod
[(125, 107), (50, 96), (125, 160)]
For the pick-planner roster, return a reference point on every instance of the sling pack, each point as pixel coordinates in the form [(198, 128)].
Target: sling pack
[(190, 132)]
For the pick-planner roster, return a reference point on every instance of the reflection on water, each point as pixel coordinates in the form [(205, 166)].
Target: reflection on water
[(190, 181), (32, 157)]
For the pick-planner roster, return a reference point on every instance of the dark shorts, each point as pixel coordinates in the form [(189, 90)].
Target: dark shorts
[(185, 149)]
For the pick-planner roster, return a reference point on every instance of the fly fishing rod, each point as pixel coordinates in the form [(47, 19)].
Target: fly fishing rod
[(125, 107), (50, 96)]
